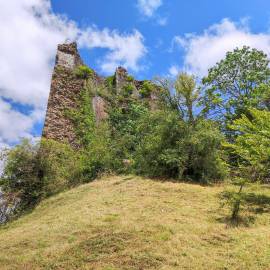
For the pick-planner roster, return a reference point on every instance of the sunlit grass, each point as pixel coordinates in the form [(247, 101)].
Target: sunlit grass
[(124, 222)]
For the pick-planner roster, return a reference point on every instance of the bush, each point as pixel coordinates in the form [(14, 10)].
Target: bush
[(130, 78), (160, 152), (146, 89), (110, 81), (59, 166), (98, 156), (36, 170), (207, 160), (83, 72), (170, 147), (128, 89)]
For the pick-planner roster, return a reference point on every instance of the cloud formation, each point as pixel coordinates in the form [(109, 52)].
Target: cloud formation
[(30, 32), (148, 7), (124, 50), (202, 51)]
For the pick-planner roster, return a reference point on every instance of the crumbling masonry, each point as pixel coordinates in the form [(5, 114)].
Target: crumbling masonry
[(65, 87)]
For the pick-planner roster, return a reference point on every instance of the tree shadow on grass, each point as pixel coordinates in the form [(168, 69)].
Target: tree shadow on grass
[(252, 204)]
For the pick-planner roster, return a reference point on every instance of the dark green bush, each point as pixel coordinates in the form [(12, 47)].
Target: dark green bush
[(169, 147)]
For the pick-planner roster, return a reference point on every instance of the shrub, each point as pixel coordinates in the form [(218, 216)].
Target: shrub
[(83, 72), (36, 170), (130, 78), (98, 156), (207, 160), (128, 89), (110, 81), (161, 151), (170, 147), (146, 89)]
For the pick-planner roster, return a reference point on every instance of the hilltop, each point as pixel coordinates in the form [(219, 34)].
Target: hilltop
[(126, 222)]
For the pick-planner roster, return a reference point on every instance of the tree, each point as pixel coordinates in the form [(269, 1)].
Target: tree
[(171, 147), (180, 95), (252, 145), (187, 95), (236, 83), (252, 150)]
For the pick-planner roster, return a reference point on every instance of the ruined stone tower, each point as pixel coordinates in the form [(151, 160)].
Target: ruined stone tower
[(64, 89)]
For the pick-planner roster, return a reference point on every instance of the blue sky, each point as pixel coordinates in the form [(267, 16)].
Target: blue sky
[(181, 17), (148, 37)]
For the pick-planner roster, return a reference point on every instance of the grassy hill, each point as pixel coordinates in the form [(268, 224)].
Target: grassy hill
[(133, 223)]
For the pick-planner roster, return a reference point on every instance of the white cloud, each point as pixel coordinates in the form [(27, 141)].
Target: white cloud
[(13, 124), (124, 49), (202, 51), (174, 70), (148, 7), (162, 21), (30, 32)]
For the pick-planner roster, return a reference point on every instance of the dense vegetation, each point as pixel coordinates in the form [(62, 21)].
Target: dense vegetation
[(202, 132)]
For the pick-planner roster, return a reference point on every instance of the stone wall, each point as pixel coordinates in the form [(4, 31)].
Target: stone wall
[(65, 87), (99, 107)]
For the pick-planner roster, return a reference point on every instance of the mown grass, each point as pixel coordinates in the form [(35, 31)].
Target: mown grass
[(131, 223)]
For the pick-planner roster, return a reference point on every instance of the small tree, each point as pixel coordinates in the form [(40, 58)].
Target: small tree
[(187, 95), (180, 95), (252, 151)]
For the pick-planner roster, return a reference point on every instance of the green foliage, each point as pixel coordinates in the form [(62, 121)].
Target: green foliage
[(146, 89), (207, 160), (235, 199), (83, 117), (252, 145), (83, 72), (36, 170), (160, 152), (236, 83), (20, 174), (130, 78), (123, 121), (93, 140), (128, 89), (98, 156), (187, 95), (110, 81), (180, 95), (59, 165), (251, 150), (170, 147)]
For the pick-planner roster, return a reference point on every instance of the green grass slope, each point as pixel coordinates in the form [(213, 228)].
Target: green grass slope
[(133, 223)]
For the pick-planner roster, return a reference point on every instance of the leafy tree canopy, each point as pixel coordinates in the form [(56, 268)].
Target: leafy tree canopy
[(236, 83)]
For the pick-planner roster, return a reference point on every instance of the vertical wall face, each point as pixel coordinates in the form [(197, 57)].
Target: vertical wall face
[(99, 106), (65, 87)]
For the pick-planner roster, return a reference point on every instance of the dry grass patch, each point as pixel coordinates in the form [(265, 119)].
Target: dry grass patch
[(133, 223)]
